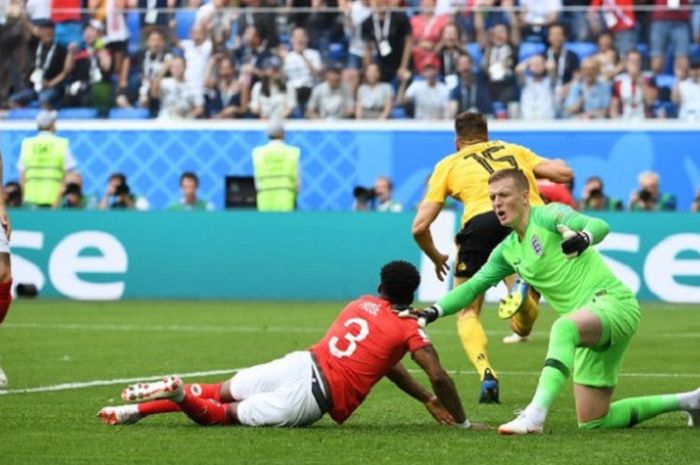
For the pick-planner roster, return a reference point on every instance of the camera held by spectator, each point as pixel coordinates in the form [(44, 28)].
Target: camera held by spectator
[(364, 198), (72, 196), (377, 198), (649, 196), (13, 195)]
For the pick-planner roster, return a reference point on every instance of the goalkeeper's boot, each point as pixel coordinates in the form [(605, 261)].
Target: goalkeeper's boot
[(694, 413), (515, 338), (169, 388), (3, 379), (514, 301), (489, 389), (526, 423), (120, 415)]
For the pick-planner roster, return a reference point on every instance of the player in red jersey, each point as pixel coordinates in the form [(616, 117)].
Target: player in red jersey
[(365, 343)]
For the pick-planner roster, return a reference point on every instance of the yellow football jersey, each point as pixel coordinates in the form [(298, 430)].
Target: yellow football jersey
[(464, 175)]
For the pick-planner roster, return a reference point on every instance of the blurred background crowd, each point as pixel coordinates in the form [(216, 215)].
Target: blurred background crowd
[(351, 59)]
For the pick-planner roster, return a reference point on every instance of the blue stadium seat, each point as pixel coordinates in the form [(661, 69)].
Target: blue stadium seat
[(694, 52), (184, 20), (133, 24), (77, 113), (644, 50), (474, 50), (527, 49), (22, 113), (665, 80), (582, 49), (129, 113), (337, 52), (398, 113)]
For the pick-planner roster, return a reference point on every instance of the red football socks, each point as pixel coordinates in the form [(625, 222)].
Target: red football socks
[(205, 391), (5, 299), (158, 406), (205, 411)]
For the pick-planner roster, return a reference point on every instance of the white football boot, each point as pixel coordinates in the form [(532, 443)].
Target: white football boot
[(169, 388), (525, 423), (515, 339), (3, 379), (120, 415)]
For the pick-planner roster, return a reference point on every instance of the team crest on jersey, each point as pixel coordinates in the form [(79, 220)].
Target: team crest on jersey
[(536, 245), (370, 307)]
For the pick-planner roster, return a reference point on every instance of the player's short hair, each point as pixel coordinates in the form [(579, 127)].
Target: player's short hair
[(515, 174), (470, 125), (189, 175), (400, 280)]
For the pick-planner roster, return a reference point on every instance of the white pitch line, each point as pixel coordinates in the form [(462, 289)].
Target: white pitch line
[(260, 329), (111, 382)]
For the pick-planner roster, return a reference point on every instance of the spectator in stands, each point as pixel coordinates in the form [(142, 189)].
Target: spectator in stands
[(536, 16), (607, 57), (594, 197), (252, 56), (271, 97), (449, 51), (500, 59), (374, 98), (118, 195), (38, 10), (537, 99), (276, 169), (429, 96), (216, 17), (265, 22), (633, 92), (670, 26), (576, 19), (13, 194), (351, 80), (190, 201), (694, 207), (618, 18), (53, 63), (225, 95), (325, 26), (116, 35), (178, 98), (389, 41), (65, 14), (329, 99), (589, 94), (197, 52), (90, 83), (649, 196), (14, 40), (383, 189), (471, 92), (43, 163), (146, 64), (302, 66), (695, 21), (686, 92), (561, 63), (356, 12), (73, 196), (426, 30), (153, 14)]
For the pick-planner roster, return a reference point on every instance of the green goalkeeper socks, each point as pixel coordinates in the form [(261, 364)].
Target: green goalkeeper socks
[(628, 412), (563, 339)]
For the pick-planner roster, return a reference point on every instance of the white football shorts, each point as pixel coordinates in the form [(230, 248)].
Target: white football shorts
[(4, 243), (277, 393)]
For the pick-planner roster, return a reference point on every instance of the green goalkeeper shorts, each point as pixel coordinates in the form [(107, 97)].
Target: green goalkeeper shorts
[(619, 313)]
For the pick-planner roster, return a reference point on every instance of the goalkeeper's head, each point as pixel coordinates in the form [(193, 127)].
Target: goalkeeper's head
[(400, 280)]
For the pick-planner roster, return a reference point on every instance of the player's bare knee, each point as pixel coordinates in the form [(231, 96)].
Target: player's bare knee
[(5, 270)]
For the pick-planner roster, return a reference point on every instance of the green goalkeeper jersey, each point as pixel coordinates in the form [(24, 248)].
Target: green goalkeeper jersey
[(567, 284)]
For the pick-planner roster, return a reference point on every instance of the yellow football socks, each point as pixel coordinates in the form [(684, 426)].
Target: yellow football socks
[(474, 341), (524, 320)]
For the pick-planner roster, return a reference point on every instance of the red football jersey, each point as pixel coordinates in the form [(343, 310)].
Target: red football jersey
[(361, 346)]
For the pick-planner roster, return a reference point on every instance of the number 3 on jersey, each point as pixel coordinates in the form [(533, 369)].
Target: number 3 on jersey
[(353, 337)]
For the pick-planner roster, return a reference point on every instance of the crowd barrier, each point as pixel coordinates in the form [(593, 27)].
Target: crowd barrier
[(337, 156), (296, 256)]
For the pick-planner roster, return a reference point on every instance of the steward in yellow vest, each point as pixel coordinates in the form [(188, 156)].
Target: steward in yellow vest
[(276, 167)]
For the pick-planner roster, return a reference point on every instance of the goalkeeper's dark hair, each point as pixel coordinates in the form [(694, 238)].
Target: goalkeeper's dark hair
[(400, 280), (515, 174)]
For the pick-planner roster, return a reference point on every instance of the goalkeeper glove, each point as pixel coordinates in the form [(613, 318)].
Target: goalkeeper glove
[(423, 315), (574, 242)]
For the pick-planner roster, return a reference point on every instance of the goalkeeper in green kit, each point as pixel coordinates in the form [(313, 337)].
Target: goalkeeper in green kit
[(549, 249)]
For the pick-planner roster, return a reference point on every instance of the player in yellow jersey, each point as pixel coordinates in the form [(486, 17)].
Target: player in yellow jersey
[(464, 176)]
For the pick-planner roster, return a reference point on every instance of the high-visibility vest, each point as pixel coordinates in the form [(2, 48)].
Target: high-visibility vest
[(276, 166), (43, 157)]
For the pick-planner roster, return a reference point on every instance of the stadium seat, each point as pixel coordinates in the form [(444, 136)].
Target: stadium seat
[(527, 49), (77, 113), (582, 49), (474, 50), (129, 113), (337, 52), (22, 113), (133, 24), (184, 20), (665, 80), (694, 52), (398, 113)]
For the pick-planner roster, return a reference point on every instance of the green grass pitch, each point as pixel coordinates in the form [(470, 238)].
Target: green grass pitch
[(47, 343)]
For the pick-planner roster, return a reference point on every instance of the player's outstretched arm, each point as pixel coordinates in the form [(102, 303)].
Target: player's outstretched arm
[(427, 213), (408, 384), (555, 170), (443, 386)]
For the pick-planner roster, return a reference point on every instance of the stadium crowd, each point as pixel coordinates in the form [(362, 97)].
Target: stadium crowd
[(364, 59)]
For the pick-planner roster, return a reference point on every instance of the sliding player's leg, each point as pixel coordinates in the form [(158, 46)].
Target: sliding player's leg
[(523, 303)]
